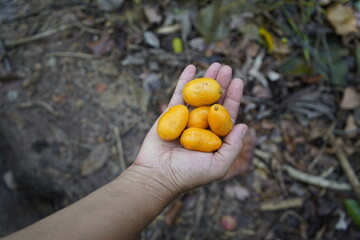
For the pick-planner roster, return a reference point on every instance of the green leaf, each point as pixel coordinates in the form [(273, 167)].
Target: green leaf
[(211, 22), (330, 62), (353, 210), (296, 66)]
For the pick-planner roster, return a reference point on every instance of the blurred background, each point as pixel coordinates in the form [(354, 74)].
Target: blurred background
[(81, 83)]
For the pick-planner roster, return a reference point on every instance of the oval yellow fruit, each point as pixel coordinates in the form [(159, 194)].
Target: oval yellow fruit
[(201, 92), (199, 117), (219, 120), (200, 140), (172, 123)]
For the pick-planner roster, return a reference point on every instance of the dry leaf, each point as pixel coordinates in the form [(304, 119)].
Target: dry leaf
[(351, 99), (103, 46), (252, 49), (311, 79), (109, 5), (261, 92), (239, 192), (342, 18), (102, 87), (289, 134), (267, 124), (152, 14), (173, 212), (95, 160), (243, 160), (151, 39), (351, 129), (59, 98)]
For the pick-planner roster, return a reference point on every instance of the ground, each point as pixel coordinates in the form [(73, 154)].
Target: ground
[(82, 82)]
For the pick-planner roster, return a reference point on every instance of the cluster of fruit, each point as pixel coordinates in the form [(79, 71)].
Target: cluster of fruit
[(205, 124)]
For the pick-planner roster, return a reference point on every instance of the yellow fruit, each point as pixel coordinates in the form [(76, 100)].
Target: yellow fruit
[(201, 92), (200, 140), (172, 123), (199, 117), (219, 120)]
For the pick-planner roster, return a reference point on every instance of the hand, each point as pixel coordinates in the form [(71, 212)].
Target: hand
[(179, 169)]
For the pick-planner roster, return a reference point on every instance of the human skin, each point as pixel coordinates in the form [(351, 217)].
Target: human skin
[(162, 171)]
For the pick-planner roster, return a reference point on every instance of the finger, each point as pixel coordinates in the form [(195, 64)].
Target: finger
[(233, 97), (231, 146), (187, 75), (213, 70), (224, 78)]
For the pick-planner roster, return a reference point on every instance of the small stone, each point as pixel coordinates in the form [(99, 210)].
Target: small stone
[(12, 95), (9, 180), (51, 62)]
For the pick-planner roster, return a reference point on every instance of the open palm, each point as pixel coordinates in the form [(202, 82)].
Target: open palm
[(181, 169)]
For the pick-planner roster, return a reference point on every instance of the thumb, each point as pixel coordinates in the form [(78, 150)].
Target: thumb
[(231, 146)]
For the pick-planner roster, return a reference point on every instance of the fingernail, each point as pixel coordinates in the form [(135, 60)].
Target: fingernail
[(244, 130)]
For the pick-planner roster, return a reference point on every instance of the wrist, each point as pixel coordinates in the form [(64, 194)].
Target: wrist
[(148, 180)]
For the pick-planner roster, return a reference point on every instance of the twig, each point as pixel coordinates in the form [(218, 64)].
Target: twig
[(13, 43), (70, 54), (42, 104), (315, 180), (119, 148), (349, 172), (280, 205), (322, 149)]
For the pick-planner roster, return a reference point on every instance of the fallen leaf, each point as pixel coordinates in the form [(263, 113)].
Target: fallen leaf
[(261, 92), (243, 160), (173, 212), (229, 222), (169, 29), (289, 134), (342, 223), (59, 98), (318, 127), (267, 124), (197, 44), (269, 40), (152, 14), (109, 5), (102, 87), (151, 39), (351, 129), (353, 210), (273, 76), (351, 99), (210, 22), (280, 47), (252, 49), (95, 160), (311, 79), (9, 180), (281, 204), (342, 18), (101, 47), (237, 191)]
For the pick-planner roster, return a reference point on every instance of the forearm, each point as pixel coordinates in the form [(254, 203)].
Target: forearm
[(119, 210)]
